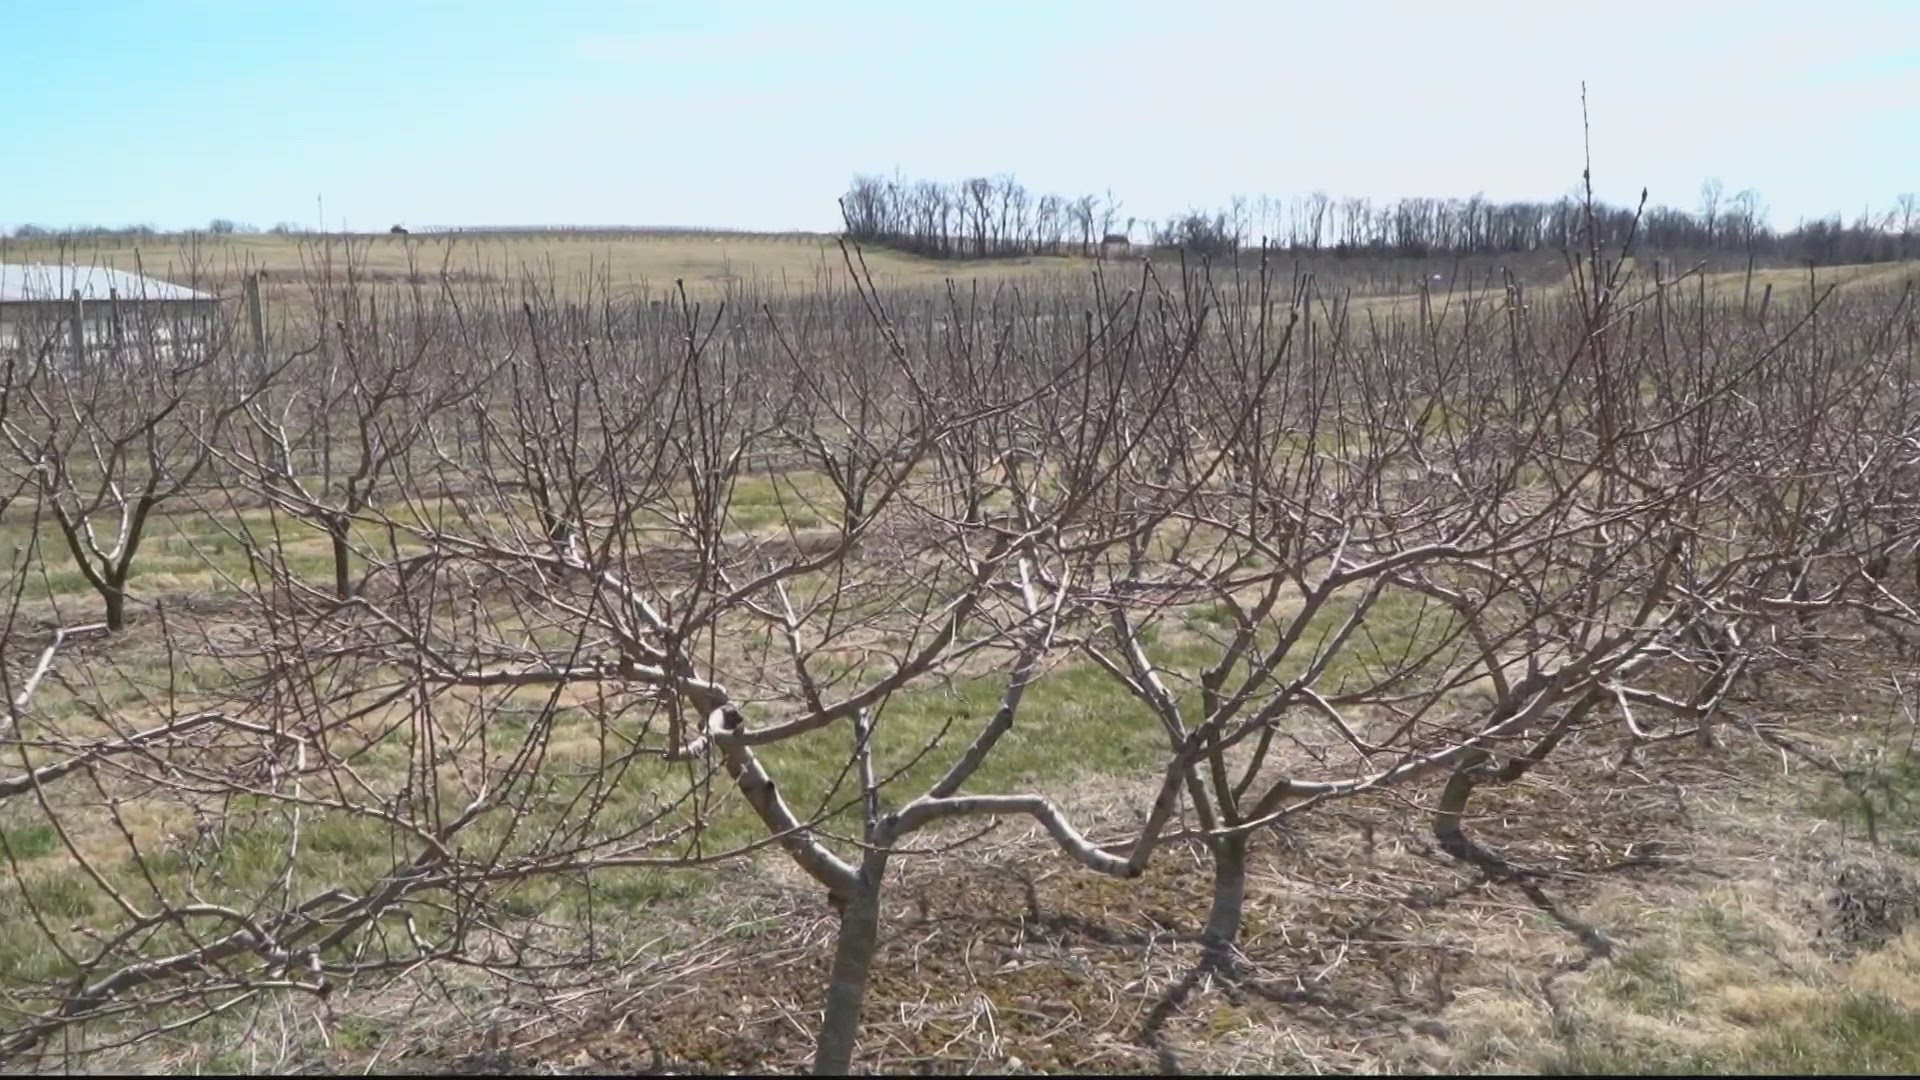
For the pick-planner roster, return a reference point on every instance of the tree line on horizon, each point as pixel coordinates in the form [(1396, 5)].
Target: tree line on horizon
[(997, 217)]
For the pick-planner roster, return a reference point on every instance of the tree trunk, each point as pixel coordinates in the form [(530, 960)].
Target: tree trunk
[(852, 966), (342, 580), (1229, 902), (116, 598), (1449, 819)]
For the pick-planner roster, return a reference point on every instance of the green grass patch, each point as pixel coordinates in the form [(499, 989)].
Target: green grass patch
[(1879, 800), (1852, 1034), (30, 841)]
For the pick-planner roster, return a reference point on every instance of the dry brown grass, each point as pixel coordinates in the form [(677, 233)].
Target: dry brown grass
[(633, 264)]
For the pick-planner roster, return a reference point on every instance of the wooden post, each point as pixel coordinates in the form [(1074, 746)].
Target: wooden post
[(257, 312), (118, 335), (79, 329)]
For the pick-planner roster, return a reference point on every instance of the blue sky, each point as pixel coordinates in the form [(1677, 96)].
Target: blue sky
[(755, 114)]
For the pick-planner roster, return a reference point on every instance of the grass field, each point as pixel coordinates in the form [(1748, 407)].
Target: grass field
[(637, 265), (710, 265)]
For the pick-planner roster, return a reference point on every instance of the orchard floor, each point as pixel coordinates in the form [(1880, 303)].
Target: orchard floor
[(1693, 910)]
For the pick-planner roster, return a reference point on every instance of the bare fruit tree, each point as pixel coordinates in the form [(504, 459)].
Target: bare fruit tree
[(111, 435)]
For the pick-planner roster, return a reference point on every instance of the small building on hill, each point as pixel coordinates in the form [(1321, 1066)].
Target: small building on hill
[(77, 309), (1115, 246)]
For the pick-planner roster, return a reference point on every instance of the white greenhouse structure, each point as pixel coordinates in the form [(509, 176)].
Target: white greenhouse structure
[(84, 309)]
